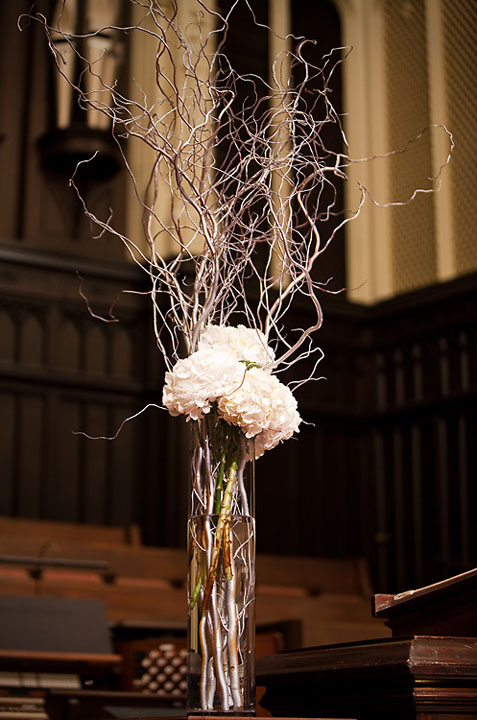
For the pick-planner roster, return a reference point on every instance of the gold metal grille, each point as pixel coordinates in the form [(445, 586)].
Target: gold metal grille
[(460, 57), (162, 669), (412, 238)]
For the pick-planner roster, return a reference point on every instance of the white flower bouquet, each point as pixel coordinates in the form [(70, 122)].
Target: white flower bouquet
[(240, 409), (232, 368)]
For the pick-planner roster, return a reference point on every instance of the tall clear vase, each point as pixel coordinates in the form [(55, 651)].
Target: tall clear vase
[(221, 572)]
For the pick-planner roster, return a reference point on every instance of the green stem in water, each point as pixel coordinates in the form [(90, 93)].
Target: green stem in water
[(196, 591), (218, 503), (220, 484), (219, 532)]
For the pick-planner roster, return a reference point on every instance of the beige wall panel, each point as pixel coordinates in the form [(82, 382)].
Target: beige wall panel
[(460, 57), (368, 244)]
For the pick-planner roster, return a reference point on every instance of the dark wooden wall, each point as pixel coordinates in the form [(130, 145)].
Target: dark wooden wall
[(406, 414), (384, 466), (387, 466)]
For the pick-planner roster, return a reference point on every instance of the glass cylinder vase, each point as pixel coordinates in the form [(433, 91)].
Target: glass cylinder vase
[(221, 571)]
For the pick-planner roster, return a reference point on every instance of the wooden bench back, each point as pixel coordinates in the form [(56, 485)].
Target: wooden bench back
[(46, 531), (315, 575), (329, 597), (310, 576)]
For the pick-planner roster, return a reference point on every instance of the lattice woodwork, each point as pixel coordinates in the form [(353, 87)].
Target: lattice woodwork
[(159, 666), (460, 57), (413, 251)]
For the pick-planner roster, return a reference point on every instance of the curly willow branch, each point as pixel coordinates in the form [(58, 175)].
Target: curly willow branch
[(249, 182)]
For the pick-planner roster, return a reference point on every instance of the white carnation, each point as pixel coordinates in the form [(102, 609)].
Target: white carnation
[(263, 408), (240, 342), (198, 380)]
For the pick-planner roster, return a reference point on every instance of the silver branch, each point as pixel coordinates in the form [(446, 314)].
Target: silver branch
[(249, 185)]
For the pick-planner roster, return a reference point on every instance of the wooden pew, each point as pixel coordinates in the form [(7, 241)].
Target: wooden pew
[(46, 531), (330, 597), (304, 575), (301, 601)]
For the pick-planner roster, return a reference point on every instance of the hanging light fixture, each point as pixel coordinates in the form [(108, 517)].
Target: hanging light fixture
[(88, 54)]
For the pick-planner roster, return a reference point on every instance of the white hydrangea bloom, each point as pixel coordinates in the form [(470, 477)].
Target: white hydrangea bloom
[(240, 342), (263, 408), (198, 380), (250, 398), (268, 439)]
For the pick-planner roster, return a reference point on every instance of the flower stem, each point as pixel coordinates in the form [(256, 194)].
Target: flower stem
[(196, 591), (219, 533), (220, 484)]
